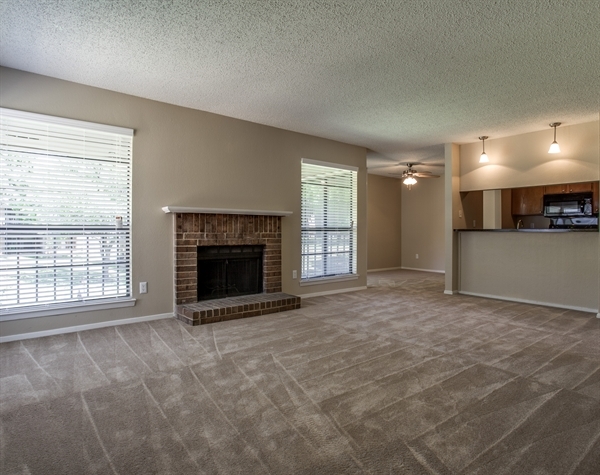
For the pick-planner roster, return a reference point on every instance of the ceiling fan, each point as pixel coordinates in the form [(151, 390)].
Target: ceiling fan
[(409, 176)]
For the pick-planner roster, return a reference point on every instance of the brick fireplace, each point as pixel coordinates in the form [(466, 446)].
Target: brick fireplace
[(194, 230)]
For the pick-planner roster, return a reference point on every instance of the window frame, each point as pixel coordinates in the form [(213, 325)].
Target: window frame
[(352, 229), (86, 303)]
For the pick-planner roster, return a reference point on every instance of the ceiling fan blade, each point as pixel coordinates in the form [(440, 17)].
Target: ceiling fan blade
[(391, 165), (423, 175), (421, 164)]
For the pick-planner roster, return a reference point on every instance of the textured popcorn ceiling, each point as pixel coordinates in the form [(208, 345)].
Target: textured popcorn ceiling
[(398, 77)]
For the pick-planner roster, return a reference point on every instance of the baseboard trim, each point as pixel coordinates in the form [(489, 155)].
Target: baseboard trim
[(532, 302), (331, 292), (451, 292), (79, 328), (424, 270), (384, 269)]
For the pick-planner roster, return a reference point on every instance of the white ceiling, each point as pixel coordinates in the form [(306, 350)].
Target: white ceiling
[(398, 77)]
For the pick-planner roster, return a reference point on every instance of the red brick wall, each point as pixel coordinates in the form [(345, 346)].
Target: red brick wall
[(193, 230)]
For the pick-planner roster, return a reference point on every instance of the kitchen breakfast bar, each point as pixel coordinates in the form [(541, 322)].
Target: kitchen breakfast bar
[(555, 267)]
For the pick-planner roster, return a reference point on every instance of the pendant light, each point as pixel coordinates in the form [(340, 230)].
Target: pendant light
[(483, 158), (554, 147)]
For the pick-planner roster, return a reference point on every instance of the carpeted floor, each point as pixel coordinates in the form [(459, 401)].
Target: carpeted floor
[(396, 379)]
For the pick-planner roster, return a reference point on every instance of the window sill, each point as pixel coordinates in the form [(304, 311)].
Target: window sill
[(60, 309), (327, 280)]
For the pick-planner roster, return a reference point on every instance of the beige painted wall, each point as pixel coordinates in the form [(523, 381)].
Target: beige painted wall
[(492, 209), (523, 160), (559, 269), (384, 237), (187, 157), (452, 206), (423, 225)]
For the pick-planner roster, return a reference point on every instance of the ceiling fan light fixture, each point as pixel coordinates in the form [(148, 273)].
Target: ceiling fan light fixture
[(409, 177), (409, 181), (483, 158), (554, 147)]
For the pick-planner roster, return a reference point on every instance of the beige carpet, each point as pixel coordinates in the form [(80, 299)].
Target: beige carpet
[(396, 379)]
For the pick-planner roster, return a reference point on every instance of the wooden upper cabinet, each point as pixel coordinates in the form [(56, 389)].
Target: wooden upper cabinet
[(568, 188), (554, 189), (527, 201)]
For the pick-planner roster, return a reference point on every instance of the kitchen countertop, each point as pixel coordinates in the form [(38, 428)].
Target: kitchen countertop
[(529, 230)]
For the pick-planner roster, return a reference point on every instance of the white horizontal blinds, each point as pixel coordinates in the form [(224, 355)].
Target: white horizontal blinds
[(328, 220), (62, 188)]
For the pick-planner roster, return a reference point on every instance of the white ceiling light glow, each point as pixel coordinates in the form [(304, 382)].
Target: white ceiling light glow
[(483, 158), (409, 181), (554, 147)]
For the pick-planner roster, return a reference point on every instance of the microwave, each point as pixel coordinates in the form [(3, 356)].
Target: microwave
[(568, 205)]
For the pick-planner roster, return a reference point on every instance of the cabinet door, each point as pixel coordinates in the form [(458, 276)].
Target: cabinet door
[(555, 189), (534, 198), (579, 187), (568, 188), (516, 205), (527, 201)]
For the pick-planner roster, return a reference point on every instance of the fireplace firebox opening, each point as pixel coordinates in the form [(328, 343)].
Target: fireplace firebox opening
[(229, 271)]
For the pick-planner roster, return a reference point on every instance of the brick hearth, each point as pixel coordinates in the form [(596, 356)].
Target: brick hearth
[(202, 229), (220, 310)]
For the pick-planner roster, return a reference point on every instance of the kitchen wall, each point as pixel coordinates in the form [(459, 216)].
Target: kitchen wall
[(523, 160), (557, 269), (423, 225), (186, 157), (384, 196)]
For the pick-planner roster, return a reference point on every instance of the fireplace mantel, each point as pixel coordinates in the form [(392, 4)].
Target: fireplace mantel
[(251, 212)]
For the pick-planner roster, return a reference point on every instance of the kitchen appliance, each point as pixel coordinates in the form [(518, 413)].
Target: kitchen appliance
[(568, 205), (574, 223)]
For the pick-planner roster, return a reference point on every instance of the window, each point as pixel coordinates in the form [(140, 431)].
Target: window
[(328, 220), (65, 214)]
